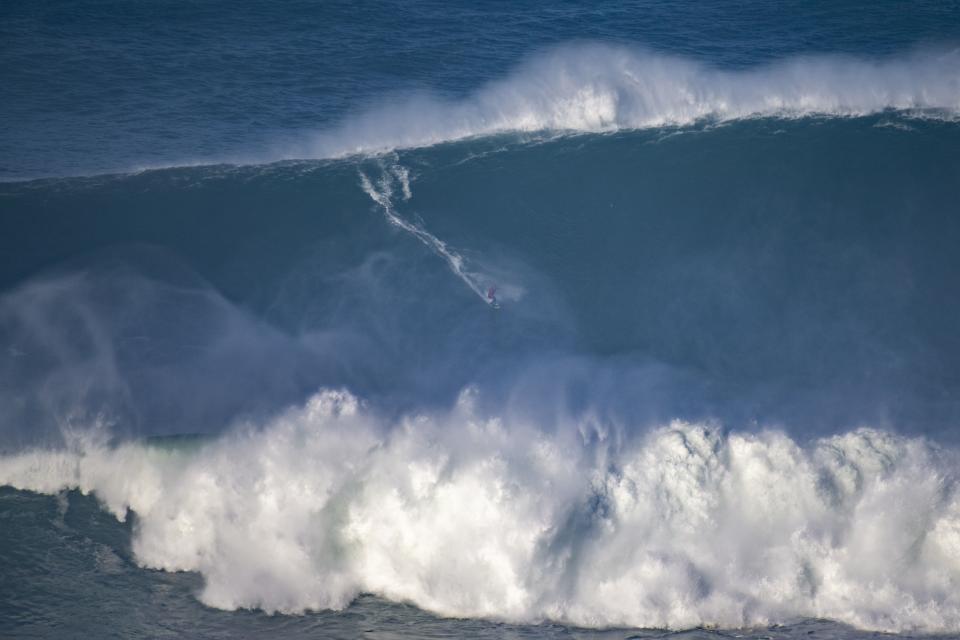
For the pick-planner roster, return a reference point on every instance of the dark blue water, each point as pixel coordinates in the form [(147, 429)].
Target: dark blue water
[(253, 380)]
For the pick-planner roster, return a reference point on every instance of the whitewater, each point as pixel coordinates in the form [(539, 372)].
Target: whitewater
[(468, 515), (596, 88)]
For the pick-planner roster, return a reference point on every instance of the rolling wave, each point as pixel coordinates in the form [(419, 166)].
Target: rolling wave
[(600, 88), (558, 503), (467, 514)]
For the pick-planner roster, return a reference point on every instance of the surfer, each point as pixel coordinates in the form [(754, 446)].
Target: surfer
[(492, 296)]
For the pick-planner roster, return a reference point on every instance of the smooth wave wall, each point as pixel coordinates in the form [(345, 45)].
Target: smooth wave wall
[(467, 514), (798, 273), (602, 88)]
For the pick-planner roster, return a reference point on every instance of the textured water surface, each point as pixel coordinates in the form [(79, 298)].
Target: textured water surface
[(427, 320)]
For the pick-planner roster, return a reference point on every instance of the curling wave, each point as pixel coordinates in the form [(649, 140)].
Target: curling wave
[(601, 88), (468, 515)]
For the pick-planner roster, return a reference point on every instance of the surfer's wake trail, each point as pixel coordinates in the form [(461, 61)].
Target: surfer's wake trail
[(382, 193)]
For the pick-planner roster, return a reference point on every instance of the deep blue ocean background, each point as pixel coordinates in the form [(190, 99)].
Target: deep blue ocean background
[(251, 383)]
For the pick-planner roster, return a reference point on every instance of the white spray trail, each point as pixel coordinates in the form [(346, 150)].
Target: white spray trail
[(382, 194)]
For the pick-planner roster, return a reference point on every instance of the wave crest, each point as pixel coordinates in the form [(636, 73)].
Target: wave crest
[(602, 88)]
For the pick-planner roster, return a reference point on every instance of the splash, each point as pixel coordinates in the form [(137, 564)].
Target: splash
[(485, 516)]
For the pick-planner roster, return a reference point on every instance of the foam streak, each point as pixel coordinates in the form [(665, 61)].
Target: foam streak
[(382, 194)]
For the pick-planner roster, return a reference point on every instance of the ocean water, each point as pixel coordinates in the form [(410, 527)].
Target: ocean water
[(253, 383)]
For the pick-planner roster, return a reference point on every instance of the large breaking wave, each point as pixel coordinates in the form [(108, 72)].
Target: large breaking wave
[(602, 88), (468, 514), (683, 280)]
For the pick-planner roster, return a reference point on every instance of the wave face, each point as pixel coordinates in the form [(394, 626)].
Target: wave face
[(794, 273), (599, 88), (473, 516)]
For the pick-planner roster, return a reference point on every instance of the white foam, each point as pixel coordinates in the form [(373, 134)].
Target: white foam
[(602, 88), (471, 515)]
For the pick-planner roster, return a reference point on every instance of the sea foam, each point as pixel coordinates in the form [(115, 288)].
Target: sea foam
[(466, 514), (602, 88)]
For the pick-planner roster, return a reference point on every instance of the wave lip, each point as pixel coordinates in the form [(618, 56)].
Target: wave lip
[(472, 516), (599, 88)]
